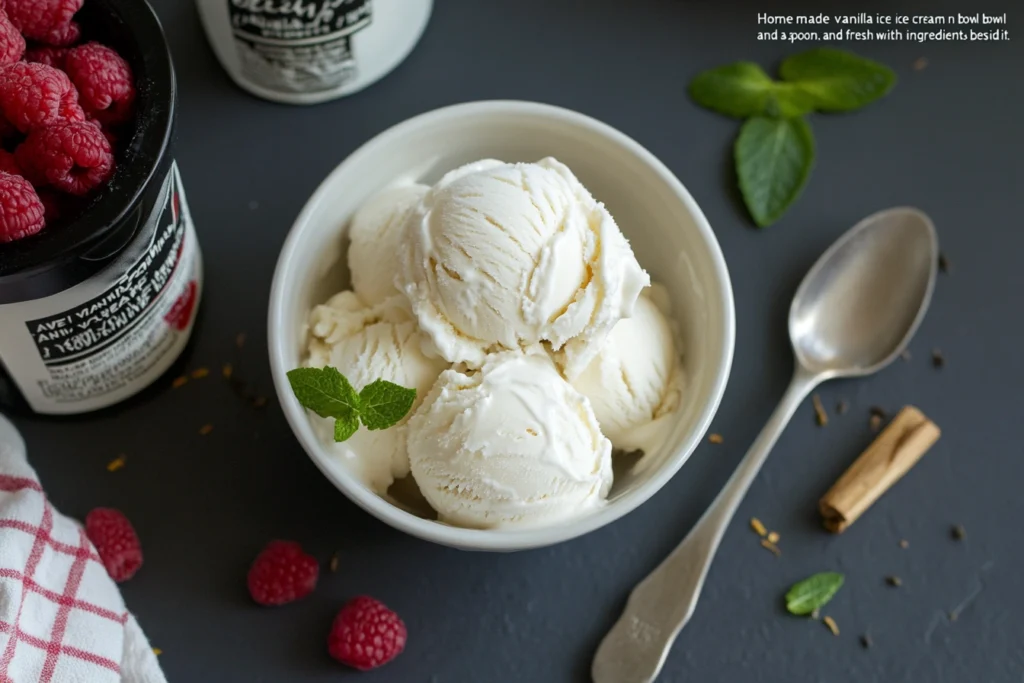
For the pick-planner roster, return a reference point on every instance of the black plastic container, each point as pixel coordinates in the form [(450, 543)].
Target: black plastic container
[(97, 305)]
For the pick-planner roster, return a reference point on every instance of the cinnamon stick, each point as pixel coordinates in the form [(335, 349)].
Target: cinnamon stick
[(886, 460)]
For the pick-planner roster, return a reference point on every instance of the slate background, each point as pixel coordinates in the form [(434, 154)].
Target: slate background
[(947, 140)]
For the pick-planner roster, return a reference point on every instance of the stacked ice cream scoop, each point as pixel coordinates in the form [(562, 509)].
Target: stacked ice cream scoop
[(507, 296)]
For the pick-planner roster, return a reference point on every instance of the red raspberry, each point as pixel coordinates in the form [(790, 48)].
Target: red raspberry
[(8, 164), (33, 95), (73, 157), (48, 21), (21, 212), (12, 44), (50, 56), (366, 634), (115, 541), (282, 573), (106, 88)]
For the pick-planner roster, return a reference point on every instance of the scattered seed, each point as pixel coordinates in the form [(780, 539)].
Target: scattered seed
[(771, 546), (865, 641), (938, 360), (894, 581), (904, 544), (205, 429), (259, 402), (757, 526), (831, 624), (116, 464), (906, 355), (842, 407), (943, 263), (157, 651), (958, 532), (226, 370), (816, 613), (819, 411), (240, 340), (773, 536), (334, 562), (200, 373), (715, 438), (920, 63), (875, 422), (179, 382)]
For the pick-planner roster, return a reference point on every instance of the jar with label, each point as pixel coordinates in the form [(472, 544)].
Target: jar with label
[(310, 51), (96, 306)]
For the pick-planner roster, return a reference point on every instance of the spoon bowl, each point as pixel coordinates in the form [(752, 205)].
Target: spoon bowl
[(860, 304)]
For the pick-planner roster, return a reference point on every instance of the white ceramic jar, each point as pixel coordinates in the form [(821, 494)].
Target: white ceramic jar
[(310, 51)]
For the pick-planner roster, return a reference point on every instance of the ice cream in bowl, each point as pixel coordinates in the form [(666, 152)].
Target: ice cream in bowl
[(500, 325)]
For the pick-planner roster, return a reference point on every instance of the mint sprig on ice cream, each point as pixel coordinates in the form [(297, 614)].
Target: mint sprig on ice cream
[(328, 393)]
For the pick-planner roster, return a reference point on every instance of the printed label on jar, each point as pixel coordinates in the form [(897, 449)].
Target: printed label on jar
[(110, 336), (298, 46)]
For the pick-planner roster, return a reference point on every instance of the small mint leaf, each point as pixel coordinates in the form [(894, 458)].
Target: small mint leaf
[(813, 592), (384, 404), (325, 391), (837, 80), (774, 158), (743, 89), (345, 426)]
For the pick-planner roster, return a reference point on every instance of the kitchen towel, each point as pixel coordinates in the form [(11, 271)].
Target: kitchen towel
[(62, 618)]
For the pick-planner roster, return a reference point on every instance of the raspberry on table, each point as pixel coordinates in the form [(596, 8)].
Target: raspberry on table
[(282, 573), (45, 54), (74, 157), (366, 634), (33, 95), (116, 542), (12, 43), (48, 21), (106, 88), (21, 211)]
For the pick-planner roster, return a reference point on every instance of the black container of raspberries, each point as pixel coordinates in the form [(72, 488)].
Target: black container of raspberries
[(98, 302)]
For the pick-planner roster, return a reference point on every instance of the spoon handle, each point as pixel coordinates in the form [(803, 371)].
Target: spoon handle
[(636, 647)]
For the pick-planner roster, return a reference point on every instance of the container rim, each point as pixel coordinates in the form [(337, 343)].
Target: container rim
[(155, 103)]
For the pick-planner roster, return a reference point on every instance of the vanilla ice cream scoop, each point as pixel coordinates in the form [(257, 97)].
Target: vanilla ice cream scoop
[(510, 444), (367, 343), (504, 256), (636, 379), (375, 233)]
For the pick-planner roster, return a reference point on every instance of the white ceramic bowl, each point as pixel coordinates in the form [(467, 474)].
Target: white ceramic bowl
[(669, 234)]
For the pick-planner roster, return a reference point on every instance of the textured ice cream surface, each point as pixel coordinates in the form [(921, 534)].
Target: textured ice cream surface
[(366, 343), (375, 234), (636, 379), (511, 444), (504, 256)]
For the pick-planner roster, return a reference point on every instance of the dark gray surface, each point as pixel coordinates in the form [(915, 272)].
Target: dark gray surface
[(947, 140)]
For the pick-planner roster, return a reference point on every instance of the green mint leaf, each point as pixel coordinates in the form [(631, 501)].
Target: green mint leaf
[(345, 426), (743, 89), (837, 80), (774, 158), (384, 404), (813, 592), (325, 391)]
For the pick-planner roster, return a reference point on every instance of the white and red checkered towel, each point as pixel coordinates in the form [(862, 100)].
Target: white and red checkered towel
[(62, 619)]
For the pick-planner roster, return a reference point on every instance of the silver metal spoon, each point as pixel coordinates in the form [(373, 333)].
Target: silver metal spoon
[(855, 312)]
